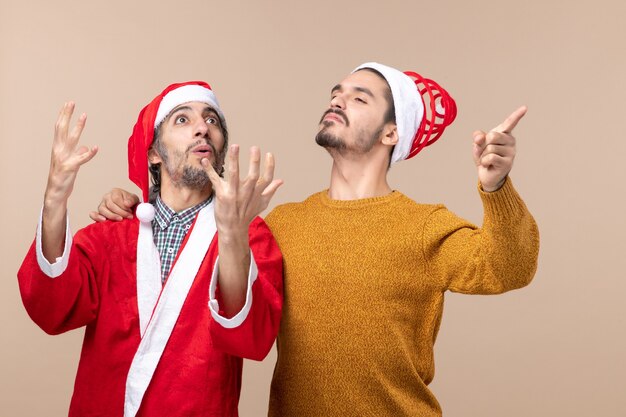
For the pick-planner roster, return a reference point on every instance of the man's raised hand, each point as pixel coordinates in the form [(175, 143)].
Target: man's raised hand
[(67, 155), (238, 202), (494, 151)]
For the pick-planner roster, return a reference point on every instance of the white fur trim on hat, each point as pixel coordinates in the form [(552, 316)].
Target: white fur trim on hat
[(186, 94), (408, 105)]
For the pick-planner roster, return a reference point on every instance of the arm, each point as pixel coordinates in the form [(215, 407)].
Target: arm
[(65, 161), (68, 300), (58, 301), (237, 203), (253, 332), (502, 255)]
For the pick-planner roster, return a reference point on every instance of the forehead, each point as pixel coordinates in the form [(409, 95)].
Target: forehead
[(365, 79)]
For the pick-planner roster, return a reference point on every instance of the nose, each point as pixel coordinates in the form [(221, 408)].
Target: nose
[(201, 128), (338, 101)]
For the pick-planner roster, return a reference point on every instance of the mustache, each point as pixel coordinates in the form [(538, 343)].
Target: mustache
[(201, 142), (338, 112)]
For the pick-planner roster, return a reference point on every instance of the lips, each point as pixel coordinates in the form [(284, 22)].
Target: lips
[(202, 150), (335, 115)]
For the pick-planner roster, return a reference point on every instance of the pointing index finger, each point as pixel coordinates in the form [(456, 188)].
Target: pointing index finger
[(510, 122), (210, 170)]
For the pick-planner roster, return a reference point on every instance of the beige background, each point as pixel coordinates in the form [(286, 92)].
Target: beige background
[(555, 348)]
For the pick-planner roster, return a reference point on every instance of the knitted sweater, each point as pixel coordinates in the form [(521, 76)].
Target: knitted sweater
[(363, 295)]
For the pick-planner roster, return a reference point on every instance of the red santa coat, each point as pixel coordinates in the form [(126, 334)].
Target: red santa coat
[(152, 350)]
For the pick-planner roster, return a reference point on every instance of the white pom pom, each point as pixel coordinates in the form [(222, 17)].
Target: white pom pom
[(145, 212)]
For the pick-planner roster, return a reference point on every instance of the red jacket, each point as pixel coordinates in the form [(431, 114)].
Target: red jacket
[(199, 368)]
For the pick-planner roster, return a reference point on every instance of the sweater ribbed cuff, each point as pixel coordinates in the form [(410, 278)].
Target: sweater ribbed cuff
[(503, 203)]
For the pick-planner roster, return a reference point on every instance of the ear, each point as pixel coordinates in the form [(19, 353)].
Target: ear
[(154, 157), (390, 134)]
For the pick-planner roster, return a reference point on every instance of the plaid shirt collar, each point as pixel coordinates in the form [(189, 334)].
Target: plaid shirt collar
[(164, 214)]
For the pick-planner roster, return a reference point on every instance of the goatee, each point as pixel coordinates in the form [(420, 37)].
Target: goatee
[(329, 141), (194, 178)]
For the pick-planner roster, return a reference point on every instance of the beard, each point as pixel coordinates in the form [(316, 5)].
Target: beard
[(326, 139), (329, 140), (191, 177), (364, 142)]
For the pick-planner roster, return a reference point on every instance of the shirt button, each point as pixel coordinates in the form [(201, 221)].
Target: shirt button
[(170, 250), (187, 226)]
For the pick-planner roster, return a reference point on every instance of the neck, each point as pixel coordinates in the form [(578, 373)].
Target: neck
[(357, 178), (182, 198)]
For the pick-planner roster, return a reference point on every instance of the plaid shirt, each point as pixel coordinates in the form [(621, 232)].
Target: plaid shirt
[(169, 230)]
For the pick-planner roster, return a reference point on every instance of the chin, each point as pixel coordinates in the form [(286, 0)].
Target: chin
[(329, 141)]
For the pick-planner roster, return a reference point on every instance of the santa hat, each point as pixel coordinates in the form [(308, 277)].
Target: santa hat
[(423, 109), (143, 133)]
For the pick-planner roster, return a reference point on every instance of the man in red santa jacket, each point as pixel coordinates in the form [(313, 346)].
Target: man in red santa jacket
[(168, 321)]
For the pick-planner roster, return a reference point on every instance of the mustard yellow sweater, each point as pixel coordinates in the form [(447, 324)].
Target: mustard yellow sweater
[(364, 290)]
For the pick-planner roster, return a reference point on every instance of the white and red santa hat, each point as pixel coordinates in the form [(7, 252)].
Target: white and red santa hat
[(423, 109), (143, 133)]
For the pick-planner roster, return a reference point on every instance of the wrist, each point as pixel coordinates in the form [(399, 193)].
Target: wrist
[(235, 237), (58, 189), (55, 198), (493, 188)]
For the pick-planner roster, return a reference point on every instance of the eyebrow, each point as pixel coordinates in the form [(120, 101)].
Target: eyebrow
[(367, 91), (176, 110), (364, 90), (207, 109)]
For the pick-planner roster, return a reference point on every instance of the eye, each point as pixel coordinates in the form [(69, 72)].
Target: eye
[(180, 119), (360, 100), (211, 120)]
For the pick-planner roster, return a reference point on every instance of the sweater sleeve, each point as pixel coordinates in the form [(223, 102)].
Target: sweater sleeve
[(68, 300), (500, 256), (254, 337)]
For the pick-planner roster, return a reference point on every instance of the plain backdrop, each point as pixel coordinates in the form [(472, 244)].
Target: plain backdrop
[(555, 348)]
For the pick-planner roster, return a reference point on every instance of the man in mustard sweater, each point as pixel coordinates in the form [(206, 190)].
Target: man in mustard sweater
[(366, 268)]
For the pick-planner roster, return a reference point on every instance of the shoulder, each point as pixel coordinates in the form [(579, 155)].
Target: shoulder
[(289, 211), (109, 232), (409, 207)]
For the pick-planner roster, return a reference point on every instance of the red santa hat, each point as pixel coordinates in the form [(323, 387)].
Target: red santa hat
[(143, 133), (423, 109)]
